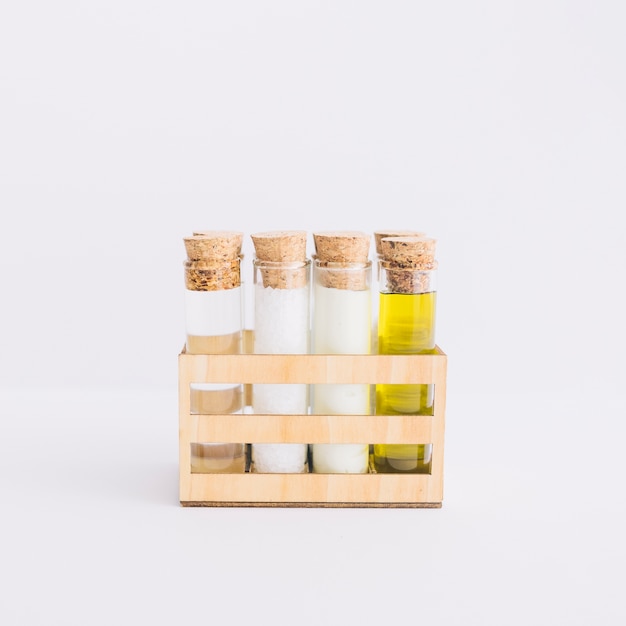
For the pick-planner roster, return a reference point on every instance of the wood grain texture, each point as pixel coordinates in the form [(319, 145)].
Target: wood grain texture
[(311, 428), (301, 488), (314, 368), (312, 490), (318, 505)]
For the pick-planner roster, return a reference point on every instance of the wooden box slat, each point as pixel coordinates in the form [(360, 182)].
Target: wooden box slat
[(311, 488), (313, 368), (311, 428)]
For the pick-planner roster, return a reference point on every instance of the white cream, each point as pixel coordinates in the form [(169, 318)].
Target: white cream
[(341, 325), (341, 321)]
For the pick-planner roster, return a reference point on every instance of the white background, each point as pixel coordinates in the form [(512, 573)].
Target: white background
[(498, 127)]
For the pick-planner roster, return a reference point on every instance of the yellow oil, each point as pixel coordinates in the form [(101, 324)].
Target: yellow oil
[(406, 325)]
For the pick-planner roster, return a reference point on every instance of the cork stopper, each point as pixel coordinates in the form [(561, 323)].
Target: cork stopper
[(342, 246), (280, 246), (408, 261), (213, 260), (409, 252), (213, 245), (342, 259), (281, 258), (379, 235)]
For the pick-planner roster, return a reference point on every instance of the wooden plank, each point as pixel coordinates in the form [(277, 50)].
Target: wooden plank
[(311, 428), (314, 368), (184, 434), (302, 488), (437, 463), (319, 505)]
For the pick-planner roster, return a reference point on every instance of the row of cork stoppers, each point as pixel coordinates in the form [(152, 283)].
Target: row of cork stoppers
[(337, 315)]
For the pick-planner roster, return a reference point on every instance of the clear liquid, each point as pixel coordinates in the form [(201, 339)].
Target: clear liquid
[(406, 326), (216, 399), (216, 344), (218, 458), (209, 399)]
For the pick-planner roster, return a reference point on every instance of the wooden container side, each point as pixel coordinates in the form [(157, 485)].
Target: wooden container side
[(331, 490), (303, 488)]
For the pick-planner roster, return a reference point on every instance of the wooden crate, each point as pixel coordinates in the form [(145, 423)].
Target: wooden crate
[(312, 490)]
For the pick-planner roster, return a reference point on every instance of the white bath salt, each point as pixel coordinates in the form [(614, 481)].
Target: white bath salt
[(282, 399), (279, 458), (281, 320), (281, 326)]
